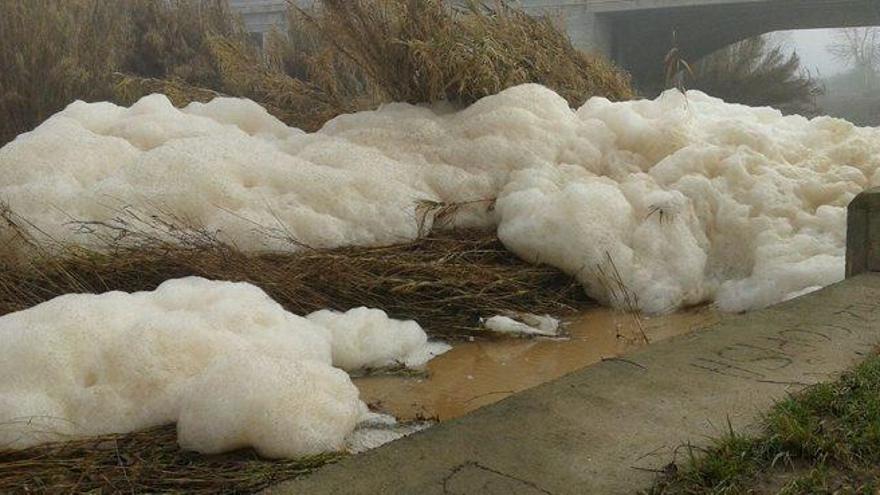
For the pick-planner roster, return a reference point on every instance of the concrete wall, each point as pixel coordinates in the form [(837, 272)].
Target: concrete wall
[(586, 30), (261, 16)]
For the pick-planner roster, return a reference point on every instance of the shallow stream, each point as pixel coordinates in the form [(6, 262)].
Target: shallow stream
[(475, 374)]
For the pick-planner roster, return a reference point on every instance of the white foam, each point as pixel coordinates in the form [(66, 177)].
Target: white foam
[(230, 366), (691, 198), (364, 338), (531, 325), (282, 408)]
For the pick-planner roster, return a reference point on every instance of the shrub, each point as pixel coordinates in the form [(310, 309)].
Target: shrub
[(423, 51), (170, 38), (758, 72), (53, 53), (340, 57)]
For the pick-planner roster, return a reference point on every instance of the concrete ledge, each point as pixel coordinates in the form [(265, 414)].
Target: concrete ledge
[(599, 429)]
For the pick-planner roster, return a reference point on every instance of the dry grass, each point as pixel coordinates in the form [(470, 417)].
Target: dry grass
[(170, 39), (304, 103), (341, 57), (349, 55), (55, 52), (423, 51), (129, 89), (445, 281), (148, 461), (48, 57)]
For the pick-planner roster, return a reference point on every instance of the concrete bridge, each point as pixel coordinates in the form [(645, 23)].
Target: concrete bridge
[(637, 34)]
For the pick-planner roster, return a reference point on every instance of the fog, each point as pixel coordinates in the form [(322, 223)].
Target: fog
[(811, 45), (842, 95)]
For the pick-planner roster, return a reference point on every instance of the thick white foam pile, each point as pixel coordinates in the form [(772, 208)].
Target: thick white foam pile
[(693, 199), (230, 366)]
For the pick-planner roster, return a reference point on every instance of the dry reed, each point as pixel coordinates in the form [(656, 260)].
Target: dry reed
[(147, 461), (446, 280), (342, 56), (424, 51), (55, 52)]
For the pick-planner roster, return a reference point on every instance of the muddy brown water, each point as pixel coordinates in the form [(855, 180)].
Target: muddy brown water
[(475, 374)]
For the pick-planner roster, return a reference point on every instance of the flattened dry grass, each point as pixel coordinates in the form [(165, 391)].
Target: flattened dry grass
[(445, 281), (148, 461)]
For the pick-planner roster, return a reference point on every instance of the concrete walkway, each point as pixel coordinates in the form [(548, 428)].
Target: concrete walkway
[(602, 429)]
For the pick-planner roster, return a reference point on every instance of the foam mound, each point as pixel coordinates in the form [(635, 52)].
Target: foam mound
[(681, 200), (222, 360), (364, 338)]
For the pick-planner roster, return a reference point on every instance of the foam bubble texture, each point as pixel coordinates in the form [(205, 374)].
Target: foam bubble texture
[(680, 199), (222, 360)]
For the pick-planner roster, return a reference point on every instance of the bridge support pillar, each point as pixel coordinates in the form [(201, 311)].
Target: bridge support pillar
[(587, 31), (863, 233)]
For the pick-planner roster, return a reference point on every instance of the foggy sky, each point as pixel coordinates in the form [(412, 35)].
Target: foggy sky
[(810, 45)]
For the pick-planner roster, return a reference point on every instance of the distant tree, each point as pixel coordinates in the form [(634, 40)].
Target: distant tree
[(859, 48), (758, 72)]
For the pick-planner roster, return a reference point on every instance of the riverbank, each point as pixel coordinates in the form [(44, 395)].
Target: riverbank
[(824, 440), (613, 427)]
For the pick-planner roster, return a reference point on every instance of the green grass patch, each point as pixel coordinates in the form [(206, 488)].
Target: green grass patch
[(825, 439)]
